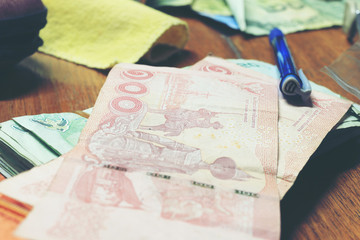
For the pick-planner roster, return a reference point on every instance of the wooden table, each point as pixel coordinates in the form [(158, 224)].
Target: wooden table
[(324, 204)]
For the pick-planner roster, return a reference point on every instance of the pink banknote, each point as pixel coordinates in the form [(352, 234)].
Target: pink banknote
[(301, 128), (169, 152)]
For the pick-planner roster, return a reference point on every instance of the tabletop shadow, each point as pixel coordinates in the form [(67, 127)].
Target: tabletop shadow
[(338, 152), (17, 81), (179, 58)]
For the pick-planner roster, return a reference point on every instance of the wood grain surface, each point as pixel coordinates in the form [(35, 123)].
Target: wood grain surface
[(323, 204)]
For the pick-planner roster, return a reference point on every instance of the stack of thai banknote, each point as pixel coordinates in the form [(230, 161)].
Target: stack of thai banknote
[(205, 152), (258, 17), (30, 141)]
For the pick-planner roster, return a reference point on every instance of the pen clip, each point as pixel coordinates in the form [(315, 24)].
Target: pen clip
[(305, 90)]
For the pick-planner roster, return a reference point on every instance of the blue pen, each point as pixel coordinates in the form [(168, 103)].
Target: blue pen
[(292, 82)]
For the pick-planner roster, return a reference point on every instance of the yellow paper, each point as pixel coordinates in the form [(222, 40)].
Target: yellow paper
[(100, 34)]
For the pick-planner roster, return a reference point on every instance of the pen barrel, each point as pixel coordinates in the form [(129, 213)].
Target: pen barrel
[(284, 59)]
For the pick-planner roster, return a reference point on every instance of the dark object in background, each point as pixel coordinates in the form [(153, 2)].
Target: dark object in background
[(20, 24), (338, 152)]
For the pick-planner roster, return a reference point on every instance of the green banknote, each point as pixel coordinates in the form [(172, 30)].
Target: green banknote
[(30, 141), (14, 157), (291, 15), (258, 17), (216, 7), (60, 131), (33, 148)]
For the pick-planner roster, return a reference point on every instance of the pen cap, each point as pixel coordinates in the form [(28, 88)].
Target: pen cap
[(275, 32)]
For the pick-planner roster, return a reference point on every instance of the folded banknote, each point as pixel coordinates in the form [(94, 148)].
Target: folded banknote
[(178, 151)]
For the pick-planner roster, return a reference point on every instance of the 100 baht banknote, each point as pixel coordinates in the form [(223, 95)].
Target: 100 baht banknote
[(301, 128), (175, 152)]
